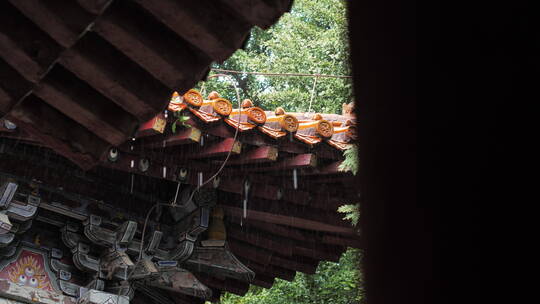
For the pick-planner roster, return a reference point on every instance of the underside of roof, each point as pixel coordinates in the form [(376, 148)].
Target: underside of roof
[(87, 124), (82, 75), (279, 184)]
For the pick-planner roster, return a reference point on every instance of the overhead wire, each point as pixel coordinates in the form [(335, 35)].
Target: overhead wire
[(281, 74), (173, 203)]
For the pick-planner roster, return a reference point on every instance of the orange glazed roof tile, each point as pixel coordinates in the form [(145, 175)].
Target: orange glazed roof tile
[(311, 129)]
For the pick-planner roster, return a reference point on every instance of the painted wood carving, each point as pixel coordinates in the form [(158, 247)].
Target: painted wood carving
[(28, 270)]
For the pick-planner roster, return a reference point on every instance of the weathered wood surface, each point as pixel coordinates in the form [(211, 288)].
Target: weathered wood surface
[(159, 46)]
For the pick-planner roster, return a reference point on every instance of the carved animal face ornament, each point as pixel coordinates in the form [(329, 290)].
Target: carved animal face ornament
[(289, 123), (325, 129), (222, 106), (256, 115), (193, 97)]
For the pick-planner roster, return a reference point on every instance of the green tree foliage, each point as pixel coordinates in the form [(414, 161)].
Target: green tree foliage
[(311, 39), (352, 212), (333, 283), (351, 160)]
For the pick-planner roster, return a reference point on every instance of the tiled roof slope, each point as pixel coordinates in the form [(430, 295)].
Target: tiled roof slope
[(334, 130), (81, 75)]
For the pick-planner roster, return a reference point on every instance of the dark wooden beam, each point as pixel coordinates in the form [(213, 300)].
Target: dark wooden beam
[(220, 148), (287, 209), (284, 246), (299, 235), (151, 45), (307, 160), (288, 221), (298, 262), (18, 59), (263, 281), (48, 20), (99, 72), (332, 168), (257, 155), (294, 265), (341, 241), (241, 249), (77, 109), (181, 137), (258, 12), (40, 119), (198, 26), (233, 286), (269, 270), (281, 245)]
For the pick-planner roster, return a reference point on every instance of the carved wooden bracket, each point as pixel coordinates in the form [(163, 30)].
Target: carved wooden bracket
[(219, 261), (15, 216), (98, 235)]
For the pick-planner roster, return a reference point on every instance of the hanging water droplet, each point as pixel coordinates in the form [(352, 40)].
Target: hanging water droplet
[(247, 184), (164, 172), (245, 207), (132, 181), (200, 179), (295, 179)]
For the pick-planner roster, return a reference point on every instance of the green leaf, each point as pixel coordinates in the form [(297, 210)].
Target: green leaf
[(173, 127)]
